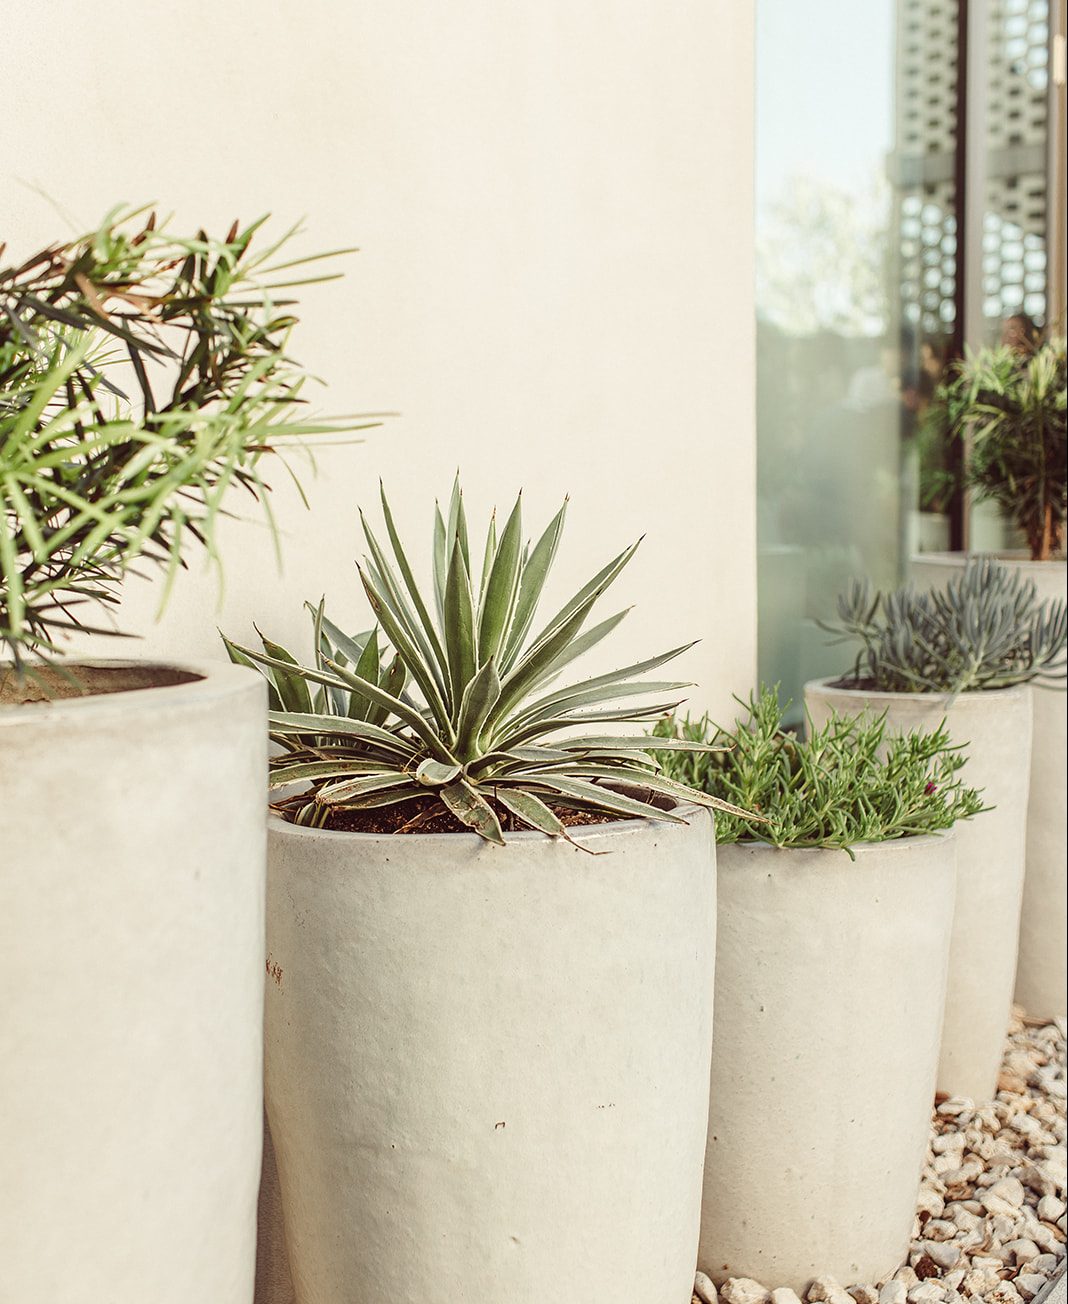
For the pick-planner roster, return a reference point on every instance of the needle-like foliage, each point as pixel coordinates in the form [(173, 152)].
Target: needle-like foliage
[(847, 783), (143, 374), (984, 629), (1011, 411), (460, 714)]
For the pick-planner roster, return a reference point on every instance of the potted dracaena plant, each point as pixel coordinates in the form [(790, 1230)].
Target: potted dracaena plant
[(1007, 406), (143, 375), (835, 917), (966, 653), (486, 1048)]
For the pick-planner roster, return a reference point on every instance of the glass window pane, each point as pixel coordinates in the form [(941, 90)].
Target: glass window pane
[(859, 266), (856, 292), (1015, 218)]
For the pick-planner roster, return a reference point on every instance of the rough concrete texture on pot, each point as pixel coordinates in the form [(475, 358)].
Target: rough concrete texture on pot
[(487, 1067), (131, 963), (995, 727), (274, 1283), (830, 985), (1042, 970)]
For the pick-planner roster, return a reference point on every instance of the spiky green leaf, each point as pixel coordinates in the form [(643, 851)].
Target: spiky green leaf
[(472, 809)]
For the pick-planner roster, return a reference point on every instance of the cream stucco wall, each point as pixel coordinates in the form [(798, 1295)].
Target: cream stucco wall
[(554, 289)]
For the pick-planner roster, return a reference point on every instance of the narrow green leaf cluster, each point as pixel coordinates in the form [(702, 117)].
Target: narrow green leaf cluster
[(460, 712), (143, 375), (985, 629), (847, 783), (1010, 408)]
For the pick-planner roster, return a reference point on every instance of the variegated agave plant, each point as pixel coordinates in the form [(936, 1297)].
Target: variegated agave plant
[(461, 708)]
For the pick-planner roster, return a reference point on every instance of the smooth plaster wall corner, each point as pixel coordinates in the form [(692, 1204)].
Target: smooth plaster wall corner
[(554, 288)]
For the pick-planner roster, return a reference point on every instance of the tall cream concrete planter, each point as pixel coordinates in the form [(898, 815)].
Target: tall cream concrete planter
[(996, 729), (487, 1067), (274, 1283), (830, 984), (132, 844), (1042, 971)]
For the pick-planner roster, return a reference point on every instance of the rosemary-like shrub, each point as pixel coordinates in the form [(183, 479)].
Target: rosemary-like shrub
[(984, 629), (847, 783)]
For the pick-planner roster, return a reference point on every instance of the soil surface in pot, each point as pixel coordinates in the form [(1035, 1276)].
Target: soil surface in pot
[(869, 686), (854, 685), (62, 681), (430, 816)]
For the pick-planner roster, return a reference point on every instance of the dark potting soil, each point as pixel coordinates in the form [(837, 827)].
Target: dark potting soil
[(430, 815)]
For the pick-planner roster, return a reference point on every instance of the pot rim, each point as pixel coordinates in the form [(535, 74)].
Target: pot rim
[(1017, 557), (608, 829), (830, 688), (913, 840), (212, 680)]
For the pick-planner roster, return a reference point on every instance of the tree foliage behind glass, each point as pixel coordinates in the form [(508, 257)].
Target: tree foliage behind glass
[(1010, 408)]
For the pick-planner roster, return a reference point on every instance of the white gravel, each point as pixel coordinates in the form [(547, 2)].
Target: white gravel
[(990, 1222)]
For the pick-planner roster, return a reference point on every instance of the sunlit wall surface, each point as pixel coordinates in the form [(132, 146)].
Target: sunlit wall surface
[(863, 294)]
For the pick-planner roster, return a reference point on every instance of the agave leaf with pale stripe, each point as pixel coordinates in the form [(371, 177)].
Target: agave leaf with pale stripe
[(475, 735)]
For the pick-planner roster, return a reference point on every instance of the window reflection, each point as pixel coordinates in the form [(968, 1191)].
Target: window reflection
[(858, 160)]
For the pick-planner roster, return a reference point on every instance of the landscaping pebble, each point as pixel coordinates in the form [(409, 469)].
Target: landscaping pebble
[(944, 1254), (743, 1290), (828, 1290), (991, 1218), (784, 1295), (704, 1290)]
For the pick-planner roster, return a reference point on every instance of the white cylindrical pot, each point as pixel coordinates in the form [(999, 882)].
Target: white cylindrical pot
[(274, 1284), (830, 985), (132, 847), (995, 729), (487, 1067), (1042, 970)]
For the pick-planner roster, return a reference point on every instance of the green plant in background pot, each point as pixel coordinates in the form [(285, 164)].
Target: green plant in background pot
[(487, 1065), (985, 630), (967, 654), (1009, 408), (144, 379), (835, 919)]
